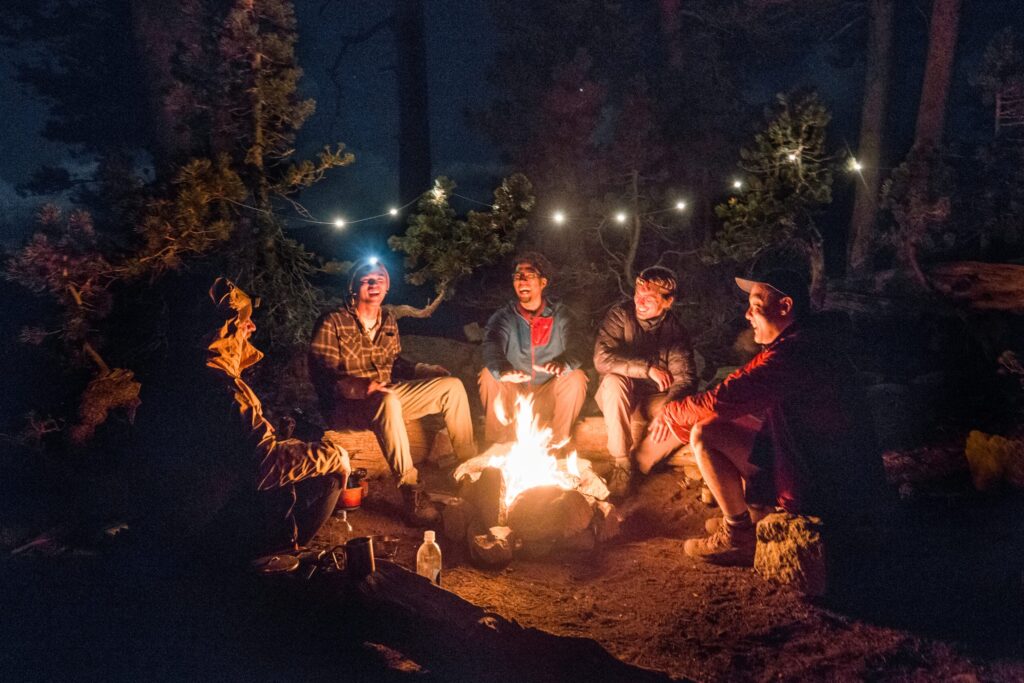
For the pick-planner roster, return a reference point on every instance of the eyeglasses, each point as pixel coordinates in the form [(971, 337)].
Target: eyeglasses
[(525, 275)]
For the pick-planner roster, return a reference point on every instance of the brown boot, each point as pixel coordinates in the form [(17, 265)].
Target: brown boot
[(728, 546), (620, 481), (757, 513), (417, 508)]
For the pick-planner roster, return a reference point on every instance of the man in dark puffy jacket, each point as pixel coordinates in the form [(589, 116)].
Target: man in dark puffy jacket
[(530, 349), (287, 488), (813, 453), (645, 358)]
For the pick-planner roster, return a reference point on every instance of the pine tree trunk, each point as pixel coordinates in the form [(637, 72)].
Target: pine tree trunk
[(869, 152), (942, 36), (414, 172)]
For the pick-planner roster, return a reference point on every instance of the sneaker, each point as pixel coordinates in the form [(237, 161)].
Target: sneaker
[(728, 546), (619, 480), (417, 508)]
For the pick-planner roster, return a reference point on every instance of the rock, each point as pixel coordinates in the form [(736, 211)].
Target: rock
[(474, 333), (582, 542), (456, 516), (607, 522), (790, 551), (534, 514), (493, 549), (993, 460)]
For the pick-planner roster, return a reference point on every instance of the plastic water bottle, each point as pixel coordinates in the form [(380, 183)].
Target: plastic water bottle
[(428, 558)]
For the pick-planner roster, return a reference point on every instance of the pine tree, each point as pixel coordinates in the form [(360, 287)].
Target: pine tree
[(786, 180), (442, 249)]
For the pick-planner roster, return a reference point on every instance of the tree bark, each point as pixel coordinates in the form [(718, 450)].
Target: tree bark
[(872, 122), (414, 170), (942, 36)]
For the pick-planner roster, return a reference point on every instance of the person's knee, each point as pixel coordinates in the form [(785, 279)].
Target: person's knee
[(576, 381), (390, 407), (613, 388)]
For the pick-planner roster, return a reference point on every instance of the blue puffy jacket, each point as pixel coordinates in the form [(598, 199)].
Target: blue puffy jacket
[(513, 342)]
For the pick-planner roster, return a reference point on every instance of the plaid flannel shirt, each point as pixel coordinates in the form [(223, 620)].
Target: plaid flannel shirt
[(343, 360)]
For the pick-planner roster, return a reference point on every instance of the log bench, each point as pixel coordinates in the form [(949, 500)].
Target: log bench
[(428, 442)]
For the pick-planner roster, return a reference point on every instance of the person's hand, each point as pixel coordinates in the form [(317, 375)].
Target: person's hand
[(514, 377), (430, 370), (660, 429), (345, 464), (661, 377), (553, 367), (377, 387)]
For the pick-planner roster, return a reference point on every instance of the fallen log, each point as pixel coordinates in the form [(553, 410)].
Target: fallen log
[(983, 286), (455, 640)]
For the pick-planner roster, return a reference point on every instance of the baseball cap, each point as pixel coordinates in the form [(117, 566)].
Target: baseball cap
[(786, 282)]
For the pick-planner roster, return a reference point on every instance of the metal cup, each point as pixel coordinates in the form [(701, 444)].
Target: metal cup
[(359, 557)]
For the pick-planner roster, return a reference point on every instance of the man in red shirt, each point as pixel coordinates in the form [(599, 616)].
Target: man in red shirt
[(791, 428)]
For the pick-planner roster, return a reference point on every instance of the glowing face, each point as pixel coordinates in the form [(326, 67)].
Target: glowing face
[(246, 328), (769, 313), (649, 301), (529, 286), (373, 286)]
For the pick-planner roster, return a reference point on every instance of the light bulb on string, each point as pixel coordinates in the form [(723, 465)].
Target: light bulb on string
[(558, 217), (620, 217), (737, 184), (680, 205), (855, 165), (339, 223), (373, 260), (393, 211), (792, 156)]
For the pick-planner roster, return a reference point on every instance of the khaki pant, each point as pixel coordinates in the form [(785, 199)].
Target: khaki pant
[(619, 398), (386, 414), (558, 403)]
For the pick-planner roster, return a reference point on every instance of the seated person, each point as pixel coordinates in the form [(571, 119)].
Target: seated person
[(645, 358), (363, 382), (815, 452), (528, 349), (289, 487)]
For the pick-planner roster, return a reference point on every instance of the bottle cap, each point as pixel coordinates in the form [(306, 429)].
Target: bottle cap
[(428, 536)]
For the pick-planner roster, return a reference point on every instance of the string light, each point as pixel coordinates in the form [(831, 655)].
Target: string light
[(558, 217), (620, 217), (373, 260), (339, 223), (792, 156), (393, 211), (855, 165), (680, 205), (737, 183)]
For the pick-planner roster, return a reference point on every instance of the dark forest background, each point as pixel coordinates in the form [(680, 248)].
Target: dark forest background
[(860, 139)]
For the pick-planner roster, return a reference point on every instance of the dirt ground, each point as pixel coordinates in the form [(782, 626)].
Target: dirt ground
[(937, 594), (939, 598)]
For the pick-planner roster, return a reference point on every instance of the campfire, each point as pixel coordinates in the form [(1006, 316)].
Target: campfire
[(521, 497)]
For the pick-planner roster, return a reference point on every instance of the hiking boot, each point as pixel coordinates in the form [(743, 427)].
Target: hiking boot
[(729, 546), (416, 507), (619, 480)]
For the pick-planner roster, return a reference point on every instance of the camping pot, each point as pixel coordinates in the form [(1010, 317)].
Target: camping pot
[(359, 557)]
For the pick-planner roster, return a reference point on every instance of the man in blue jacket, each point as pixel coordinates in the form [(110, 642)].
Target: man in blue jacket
[(529, 348)]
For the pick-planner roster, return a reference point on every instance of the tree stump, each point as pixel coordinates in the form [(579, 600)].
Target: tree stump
[(790, 551)]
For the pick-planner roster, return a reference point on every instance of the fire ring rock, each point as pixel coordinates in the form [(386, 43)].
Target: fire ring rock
[(548, 512), (790, 551)]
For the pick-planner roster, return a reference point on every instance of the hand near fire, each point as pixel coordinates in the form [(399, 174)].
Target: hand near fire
[(514, 377), (661, 377), (553, 367)]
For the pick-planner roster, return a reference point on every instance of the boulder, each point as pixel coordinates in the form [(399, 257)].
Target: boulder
[(548, 512), (790, 551), (487, 496), (456, 517)]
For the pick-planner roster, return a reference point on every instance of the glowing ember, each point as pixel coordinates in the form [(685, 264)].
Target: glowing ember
[(530, 463)]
